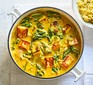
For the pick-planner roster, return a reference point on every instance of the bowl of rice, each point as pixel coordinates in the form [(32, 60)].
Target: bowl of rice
[(83, 10)]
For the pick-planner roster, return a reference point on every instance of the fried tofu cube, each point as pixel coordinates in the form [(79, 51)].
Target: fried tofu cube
[(67, 62), (22, 31), (66, 28), (49, 62), (24, 45), (73, 42), (56, 46)]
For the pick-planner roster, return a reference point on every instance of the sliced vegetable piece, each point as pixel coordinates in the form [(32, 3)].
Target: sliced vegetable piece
[(67, 62), (75, 50), (50, 14), (24, 44), (45, 48), (66, 28), (38, 73), (26, 22), (36, 16), (49, 62), (27, 55), (55, 69), (38, 66), (66, 52), (56, 57), (69, 50), (60, 35), (39, 34), (53, 14), (50, 32), (22, 31), (39, 25)]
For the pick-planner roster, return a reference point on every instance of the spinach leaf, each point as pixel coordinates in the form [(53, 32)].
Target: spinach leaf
[(36, 16), (53, 14), (60, 35), (50, 14), (39, 25), (50, 32), (39, 34), (26, 22)]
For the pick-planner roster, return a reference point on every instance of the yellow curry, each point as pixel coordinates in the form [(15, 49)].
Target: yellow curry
[(45, 45)]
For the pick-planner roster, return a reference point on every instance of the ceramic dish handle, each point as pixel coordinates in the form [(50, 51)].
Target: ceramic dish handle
[(15, 13), (78, 74)]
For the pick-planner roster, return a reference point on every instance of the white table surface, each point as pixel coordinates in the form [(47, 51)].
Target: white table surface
[(6, 75)]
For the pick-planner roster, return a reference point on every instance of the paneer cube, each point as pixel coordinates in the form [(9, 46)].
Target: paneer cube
[(22, 31), (56, 46), (73, 42), (66, 28), (49, 62), (67, 62), (24, 45)]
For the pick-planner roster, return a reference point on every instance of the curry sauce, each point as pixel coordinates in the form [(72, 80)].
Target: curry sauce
[(43, 44)]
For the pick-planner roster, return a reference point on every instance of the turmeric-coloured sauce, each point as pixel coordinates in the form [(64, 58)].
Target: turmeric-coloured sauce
[(43, 44)]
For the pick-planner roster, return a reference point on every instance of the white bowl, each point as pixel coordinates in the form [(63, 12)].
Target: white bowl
[(77, 14)]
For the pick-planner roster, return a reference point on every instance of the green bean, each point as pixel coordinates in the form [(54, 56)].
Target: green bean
[(66, 52), (54, 69)]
